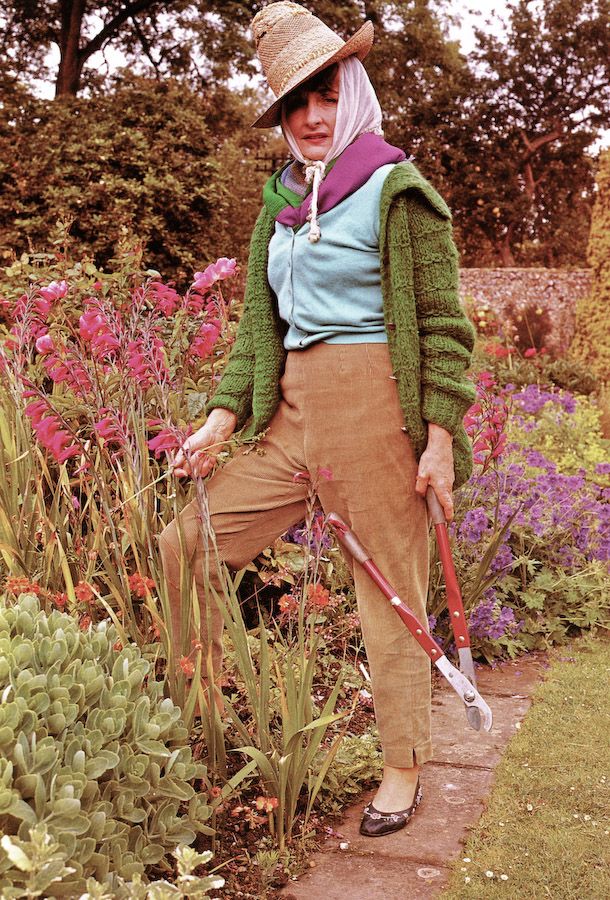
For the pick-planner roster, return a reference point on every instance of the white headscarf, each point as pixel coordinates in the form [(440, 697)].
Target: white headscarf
[(358, 112)]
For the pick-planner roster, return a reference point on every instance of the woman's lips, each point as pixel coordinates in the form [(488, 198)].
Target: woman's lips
[(315, 137)]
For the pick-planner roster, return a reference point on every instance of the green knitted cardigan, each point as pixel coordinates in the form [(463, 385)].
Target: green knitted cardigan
[(429, 337)]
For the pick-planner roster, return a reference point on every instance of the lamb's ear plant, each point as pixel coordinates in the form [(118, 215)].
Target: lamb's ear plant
[(92, 751)]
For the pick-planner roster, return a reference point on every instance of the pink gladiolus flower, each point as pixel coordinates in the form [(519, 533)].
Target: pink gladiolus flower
[(54, 291), (94, 327), (49, 432), (45, 344), (204, 340), (166, 441), (218, 271), (167, 300), (225, 268), (110, 427)]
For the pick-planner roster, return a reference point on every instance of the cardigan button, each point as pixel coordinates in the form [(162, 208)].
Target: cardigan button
[(391, 326), (393, 377), (404, 428)]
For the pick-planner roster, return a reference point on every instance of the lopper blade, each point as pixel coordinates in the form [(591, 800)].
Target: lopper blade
[(467, 668), (469, 695)]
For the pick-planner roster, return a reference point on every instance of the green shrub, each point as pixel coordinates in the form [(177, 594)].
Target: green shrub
[(591, 342), (138, 160), (90, 749)]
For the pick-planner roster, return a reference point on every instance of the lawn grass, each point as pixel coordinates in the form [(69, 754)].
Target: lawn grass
[(547, 824)]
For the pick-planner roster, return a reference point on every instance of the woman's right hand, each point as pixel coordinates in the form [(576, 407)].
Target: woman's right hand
[(197, 456)]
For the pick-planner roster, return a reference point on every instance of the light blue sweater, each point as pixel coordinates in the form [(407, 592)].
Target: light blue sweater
[(331, 290)]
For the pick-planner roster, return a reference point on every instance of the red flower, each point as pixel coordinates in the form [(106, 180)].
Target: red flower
[(140, 585), (317, 595), (60, 600), (166, 441), (16, 585), (531, 351), (84, 592), (85, 622), (188, 666), (167, 300), (288, 604)]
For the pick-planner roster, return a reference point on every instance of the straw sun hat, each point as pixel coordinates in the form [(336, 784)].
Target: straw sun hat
[(293, 44)]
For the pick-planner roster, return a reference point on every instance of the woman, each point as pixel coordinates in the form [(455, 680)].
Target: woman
[(351, 353)]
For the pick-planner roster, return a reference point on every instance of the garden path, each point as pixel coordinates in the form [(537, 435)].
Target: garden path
[(413, 863)]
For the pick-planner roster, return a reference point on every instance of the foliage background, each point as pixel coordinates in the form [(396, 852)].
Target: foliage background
[(507, 133)]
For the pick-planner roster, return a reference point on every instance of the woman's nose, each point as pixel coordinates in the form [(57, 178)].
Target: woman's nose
[(313, 110)]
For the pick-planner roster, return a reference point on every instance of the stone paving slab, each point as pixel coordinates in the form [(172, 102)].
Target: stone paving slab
[(413, 863), (356, 879), (456, 743)]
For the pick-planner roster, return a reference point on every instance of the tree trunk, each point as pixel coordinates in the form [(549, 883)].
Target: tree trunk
[(504, 249), (71, 58)]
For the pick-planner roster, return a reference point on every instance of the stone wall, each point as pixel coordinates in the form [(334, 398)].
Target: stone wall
[(545, 297)]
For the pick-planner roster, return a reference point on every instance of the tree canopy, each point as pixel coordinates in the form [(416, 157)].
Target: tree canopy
[(506, 133)]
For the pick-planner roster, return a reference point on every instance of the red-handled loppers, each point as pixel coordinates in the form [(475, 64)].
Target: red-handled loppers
[(462, 680)]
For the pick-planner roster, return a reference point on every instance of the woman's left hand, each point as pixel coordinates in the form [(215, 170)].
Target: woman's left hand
[(436, 468)]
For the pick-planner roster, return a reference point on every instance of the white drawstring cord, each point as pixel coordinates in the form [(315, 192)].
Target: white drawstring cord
[(314, 171)]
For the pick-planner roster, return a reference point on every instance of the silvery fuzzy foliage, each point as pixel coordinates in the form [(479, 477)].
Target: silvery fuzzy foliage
[(91, 749)]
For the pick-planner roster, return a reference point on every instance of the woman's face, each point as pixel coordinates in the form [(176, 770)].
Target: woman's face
[(311, 116)]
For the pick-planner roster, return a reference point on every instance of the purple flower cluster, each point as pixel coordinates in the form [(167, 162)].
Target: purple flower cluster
[(565, 512), (318, 538), (491, 621), (533, 398)]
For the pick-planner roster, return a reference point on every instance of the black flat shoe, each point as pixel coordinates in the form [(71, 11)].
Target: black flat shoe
[(376, 824)]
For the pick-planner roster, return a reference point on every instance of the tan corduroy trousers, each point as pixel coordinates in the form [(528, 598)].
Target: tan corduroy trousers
[(339, 410)]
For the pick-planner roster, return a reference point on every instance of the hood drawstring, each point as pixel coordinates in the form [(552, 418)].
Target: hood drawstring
[(314, 171)]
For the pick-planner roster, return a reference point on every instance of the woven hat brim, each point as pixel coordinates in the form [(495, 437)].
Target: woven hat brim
[(358, 45)]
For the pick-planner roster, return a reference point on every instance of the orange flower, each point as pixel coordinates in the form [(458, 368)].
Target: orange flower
[(117, 646), (318, 596), (188, 666), (84, 592), (140, 585), (59, 600), (16, 586), (84, 623), (266, 804), (288, 603)]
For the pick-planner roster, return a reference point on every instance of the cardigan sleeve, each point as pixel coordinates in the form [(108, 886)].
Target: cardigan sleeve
[(236, 387), (234, 391), (446, 336)]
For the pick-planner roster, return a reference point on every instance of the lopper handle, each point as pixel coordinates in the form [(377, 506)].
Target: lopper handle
[(434, 507), (454, 594)]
